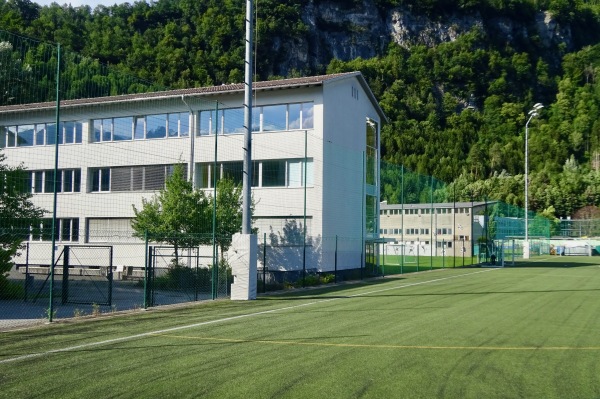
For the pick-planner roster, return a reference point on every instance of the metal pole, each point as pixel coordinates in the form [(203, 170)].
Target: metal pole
[(454, 228), (335, 260), (55, 197), (532, 113), (403, 246), (430, 222), (214, 219), (363, 215), (472, 230), (247, 178), (192, 132), (265, 263), (304, 229), (526, 243), (146, 269), (26, 271)]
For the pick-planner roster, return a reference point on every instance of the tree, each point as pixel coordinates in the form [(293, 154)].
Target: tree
[(178, 215), (17, 215), (229, 213)]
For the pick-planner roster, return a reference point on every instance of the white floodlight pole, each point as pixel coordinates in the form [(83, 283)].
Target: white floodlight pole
[(247, 178), (533, 113)]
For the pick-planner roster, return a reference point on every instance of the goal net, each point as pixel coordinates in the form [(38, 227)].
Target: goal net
[(405, 253)]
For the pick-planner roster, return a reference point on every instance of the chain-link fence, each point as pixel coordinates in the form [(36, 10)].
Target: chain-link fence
[(429, 224), (119, 195)]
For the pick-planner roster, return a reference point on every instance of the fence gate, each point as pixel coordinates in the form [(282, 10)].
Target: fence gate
[(87, 275), (180, 277)]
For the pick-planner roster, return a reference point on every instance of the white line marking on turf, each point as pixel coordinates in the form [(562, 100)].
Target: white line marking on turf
[(204, 323)]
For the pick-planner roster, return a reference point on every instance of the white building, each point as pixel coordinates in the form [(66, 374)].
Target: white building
[(114, 151), (435, 229)]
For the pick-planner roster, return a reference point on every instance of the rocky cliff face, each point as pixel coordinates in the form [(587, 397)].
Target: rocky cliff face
[(345, 33)]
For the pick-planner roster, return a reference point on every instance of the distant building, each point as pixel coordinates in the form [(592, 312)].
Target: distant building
[(435, 229)]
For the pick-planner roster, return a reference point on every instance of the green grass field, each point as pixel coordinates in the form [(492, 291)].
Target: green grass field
[(522, 332), (393, 264)]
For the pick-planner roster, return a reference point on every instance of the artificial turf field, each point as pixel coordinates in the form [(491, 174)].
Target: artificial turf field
[(531, 331)]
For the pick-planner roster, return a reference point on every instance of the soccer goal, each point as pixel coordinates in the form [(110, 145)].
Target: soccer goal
[(405, 253)]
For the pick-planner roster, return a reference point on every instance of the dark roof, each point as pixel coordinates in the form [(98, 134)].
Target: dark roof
[(462, 204), (201, 92)]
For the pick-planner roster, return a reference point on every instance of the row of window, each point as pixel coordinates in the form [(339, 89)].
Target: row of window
[(424, 211), (130, 178), (413, 231), (142, 127), (120, 230), (166, 125), (42, 181), (65, 229), (268, 118), (267, 173), (40, 134)]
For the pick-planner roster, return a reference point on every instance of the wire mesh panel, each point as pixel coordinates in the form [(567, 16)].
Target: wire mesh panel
[(177, 275), (87, 275)]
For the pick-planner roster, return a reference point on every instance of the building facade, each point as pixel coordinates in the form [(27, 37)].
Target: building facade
[(315, 152), (435, 229)]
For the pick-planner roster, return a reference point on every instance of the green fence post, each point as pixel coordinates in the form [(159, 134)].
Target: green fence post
[(146, 260), (335, 260), (265, 263), (55, 185)]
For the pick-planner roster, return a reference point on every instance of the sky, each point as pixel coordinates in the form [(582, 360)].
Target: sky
[(76, 3)]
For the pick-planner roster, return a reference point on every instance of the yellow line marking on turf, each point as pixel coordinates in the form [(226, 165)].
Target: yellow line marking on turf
[(387, 346)]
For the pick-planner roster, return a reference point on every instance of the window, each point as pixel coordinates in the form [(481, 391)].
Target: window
[(295, 110), (40, 134), (307, 116), (109, 229), (139, 127), (274, 118), (273, 173), (122, 129), (265, 118), (100, 179), (66, 230), (11, 137), (107, 129), (207, 122), (42, 181), (269, 173), (73, 132), (25, 135), (156, 126), (296, 173), (51, 133), (233, 121), (103, 130), (131, 178)]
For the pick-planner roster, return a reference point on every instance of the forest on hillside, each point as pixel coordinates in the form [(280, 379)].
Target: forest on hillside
[(457, 110)]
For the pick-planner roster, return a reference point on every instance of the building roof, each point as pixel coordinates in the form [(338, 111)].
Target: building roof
[(384, 205), (203, 92)]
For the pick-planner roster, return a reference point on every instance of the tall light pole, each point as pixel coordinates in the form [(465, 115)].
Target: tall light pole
[(533, 113), (247, 177)]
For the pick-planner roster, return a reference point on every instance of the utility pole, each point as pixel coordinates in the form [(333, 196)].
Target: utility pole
[(247, 179)]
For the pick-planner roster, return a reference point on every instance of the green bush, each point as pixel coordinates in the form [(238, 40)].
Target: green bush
[(10, 290)]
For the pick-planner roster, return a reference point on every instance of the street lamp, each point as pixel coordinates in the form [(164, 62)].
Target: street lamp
[(533, 113)]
